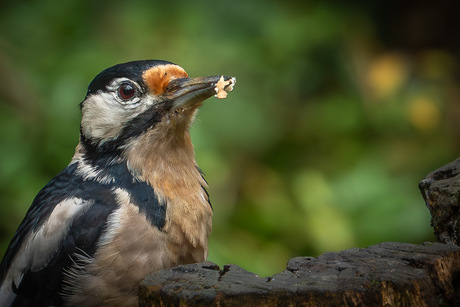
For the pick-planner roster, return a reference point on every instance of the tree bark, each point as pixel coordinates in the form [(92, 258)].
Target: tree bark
[(385, 274), (441, 192)]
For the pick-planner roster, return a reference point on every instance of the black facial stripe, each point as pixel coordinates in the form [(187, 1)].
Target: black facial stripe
[(141, 123), (105, 151), (134, 128), (102, 153)]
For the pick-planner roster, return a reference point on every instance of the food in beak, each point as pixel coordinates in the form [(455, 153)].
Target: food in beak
[(222, 87)]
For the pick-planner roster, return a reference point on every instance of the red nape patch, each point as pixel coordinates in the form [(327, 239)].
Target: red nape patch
[(157, 78)]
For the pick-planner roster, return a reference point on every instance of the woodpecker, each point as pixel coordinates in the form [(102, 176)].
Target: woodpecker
[(132, 201)]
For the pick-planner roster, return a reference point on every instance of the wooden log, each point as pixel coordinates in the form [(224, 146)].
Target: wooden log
[(385, 274)]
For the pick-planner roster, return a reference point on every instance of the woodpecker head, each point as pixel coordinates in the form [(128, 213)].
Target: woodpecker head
[(150, 98)]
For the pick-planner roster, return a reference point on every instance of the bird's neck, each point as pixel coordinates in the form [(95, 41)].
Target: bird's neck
[(167, 163), (158, 158), (164, 158)]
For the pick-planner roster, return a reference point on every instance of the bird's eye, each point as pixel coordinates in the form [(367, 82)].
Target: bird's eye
[(126, 91)]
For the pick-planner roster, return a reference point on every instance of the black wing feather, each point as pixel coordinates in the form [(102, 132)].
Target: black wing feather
[(43, 288)]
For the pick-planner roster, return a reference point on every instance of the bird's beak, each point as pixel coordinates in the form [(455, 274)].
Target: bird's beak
[(184, 92)]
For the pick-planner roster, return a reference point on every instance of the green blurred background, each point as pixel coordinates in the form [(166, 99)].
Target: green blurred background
[(339, 110)]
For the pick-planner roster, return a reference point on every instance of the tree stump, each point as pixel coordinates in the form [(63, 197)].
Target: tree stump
[(392, 274), (441, 192)]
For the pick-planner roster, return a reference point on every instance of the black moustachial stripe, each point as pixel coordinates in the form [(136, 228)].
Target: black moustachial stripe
[(103, 150), (84, 231)]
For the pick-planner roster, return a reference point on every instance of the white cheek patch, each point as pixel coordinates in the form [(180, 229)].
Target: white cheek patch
[(102, 116)]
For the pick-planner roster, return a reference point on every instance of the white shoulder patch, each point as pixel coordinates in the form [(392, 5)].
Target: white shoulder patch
[(113, 221), (40, 245)]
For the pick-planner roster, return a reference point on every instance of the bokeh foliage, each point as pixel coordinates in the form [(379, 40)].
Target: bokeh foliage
[(339, 110)]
